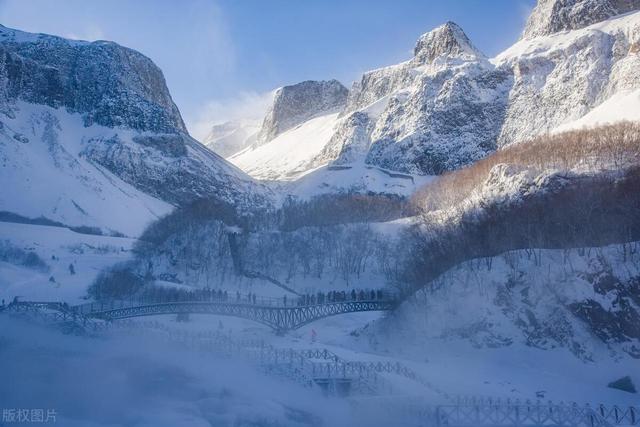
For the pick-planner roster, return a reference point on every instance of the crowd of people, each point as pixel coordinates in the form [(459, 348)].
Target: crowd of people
[(339, 296), (219, 295)]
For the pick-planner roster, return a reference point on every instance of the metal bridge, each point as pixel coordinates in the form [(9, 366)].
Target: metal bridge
[(273, 312)]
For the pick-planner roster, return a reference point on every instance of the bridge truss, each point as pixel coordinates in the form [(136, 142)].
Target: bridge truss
[(270, 312)]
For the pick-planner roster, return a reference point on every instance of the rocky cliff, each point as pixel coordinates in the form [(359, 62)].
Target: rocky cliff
[(298, 103)]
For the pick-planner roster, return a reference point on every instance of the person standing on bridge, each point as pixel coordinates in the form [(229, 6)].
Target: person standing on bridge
[(285, 300), (314, 335)]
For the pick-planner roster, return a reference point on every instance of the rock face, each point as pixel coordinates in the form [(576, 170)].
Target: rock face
[(298, 103), (173, 168), (108, 84), (96, 122), (552, 16)]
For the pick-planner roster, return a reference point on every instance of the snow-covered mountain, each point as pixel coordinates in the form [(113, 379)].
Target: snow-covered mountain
[(450, 105), (89, 135), (228, 138)]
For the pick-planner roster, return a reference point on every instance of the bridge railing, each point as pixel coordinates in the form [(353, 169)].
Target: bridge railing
[(241, 299), (534, 414)]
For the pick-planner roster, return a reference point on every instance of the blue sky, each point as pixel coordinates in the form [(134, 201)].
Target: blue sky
[(221, 56)]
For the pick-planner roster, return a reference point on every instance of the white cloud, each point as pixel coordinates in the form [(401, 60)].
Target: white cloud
[(247, 105), (91, 32)]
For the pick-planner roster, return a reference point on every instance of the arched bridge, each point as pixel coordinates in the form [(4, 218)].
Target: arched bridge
[(272, 312)]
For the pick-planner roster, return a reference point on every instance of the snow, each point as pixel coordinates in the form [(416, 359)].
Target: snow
[(558, 85), (416, 336), (621, 106), (88, 253), (17, 36), (560, 41), (358, 177), (47, 176), (467, 343), (285, 157), (458, 338)]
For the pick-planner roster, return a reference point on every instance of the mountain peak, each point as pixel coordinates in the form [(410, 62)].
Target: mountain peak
[(448, 40), (552, 16)]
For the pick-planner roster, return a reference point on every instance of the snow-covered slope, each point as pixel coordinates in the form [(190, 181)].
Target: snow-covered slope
[(289, 154), (624, 105), (89, 135), (511, 326), (561, 78), (44, 173), (59, 248), (357, 177)]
